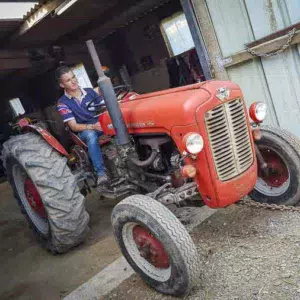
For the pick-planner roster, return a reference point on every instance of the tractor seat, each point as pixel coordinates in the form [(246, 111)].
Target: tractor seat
[(103, 139)]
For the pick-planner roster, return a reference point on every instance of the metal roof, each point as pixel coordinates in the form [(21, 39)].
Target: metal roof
[(8, 26), (35, 8), (85, 19)]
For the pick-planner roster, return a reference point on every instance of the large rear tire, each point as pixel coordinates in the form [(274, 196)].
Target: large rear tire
[(46, 191), (156, 245), (281, 151)]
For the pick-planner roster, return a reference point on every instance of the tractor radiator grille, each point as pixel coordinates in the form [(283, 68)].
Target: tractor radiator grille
[(229, 139)]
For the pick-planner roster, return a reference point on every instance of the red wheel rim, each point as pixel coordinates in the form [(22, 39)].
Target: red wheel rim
[(278, 173), (33, 198), (150, 248)]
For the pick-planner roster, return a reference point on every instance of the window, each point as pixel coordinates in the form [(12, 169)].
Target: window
[(82, 76), (177, 34), (15, 10)]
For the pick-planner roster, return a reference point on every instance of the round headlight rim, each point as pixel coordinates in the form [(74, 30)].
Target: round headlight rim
[(186, 139), (253, 111)]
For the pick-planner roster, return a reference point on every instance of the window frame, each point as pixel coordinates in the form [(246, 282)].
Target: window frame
[(165, 36)]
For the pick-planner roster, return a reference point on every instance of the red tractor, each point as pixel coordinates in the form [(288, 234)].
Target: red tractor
[(159, 149)]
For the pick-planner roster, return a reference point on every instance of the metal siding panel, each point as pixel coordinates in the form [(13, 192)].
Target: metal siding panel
[(282, 72), (250, 77), (265, 17), (293, 8), (293, 12), (273, 80), (226, 17), (231, 24)]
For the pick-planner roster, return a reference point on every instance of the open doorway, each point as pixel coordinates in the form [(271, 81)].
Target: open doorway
[(155, 52), (183, 65)]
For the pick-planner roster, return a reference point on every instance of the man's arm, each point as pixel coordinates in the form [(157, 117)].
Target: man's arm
[(69, 119), (81, 127)]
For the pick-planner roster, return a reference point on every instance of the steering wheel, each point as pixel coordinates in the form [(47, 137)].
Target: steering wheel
[(96, 108), (92, 106), (121, 88), (100, 108)]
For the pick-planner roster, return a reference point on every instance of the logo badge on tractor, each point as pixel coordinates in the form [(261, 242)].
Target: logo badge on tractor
[(223, 93)]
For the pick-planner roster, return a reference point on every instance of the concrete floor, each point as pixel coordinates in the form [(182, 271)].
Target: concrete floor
[(245, 253), (30, 272)]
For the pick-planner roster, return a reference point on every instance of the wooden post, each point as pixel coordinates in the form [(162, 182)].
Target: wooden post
[(197, 37), (210, 39)]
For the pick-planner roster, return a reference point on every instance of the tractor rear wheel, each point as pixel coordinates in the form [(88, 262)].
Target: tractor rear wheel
[(46, 191), (281, 152), (156, 245)]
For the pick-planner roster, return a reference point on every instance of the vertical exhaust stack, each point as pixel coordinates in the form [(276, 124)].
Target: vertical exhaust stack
[(110, 99)]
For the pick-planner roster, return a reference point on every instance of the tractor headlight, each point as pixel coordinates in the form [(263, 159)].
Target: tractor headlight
[(258, 112), (193, 143)]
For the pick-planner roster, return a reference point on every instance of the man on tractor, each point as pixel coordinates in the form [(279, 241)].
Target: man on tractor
[(72, 106)]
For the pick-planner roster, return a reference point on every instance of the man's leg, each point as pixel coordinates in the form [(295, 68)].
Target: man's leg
[(91, 138)]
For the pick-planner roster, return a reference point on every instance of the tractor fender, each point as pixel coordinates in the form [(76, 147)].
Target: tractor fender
[(49, 138)]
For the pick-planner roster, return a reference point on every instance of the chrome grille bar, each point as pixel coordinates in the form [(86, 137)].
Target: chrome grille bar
[(229, 139)]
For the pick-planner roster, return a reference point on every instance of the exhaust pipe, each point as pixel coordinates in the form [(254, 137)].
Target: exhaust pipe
[(110, 98)]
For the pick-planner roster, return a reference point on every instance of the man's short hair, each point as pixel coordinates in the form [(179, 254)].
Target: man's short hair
[(60, 71)]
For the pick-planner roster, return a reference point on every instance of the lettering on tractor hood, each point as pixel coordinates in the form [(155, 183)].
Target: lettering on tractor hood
[(136, 125)]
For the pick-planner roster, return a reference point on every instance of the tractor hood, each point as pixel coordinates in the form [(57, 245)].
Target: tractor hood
[(158, 112)]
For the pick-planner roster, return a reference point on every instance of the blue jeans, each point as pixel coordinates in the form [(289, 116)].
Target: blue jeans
[(91, 138)]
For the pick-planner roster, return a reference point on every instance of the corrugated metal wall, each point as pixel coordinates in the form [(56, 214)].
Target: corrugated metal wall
[(274, 80)]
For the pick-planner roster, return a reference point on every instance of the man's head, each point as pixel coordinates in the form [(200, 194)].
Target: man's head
[(66, 79)]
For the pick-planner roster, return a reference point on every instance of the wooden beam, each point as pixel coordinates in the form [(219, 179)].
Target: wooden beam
[(266, 47), (37, 16), (197, 38), (9, 54), (14, 64), (210, 38), (274, 35)]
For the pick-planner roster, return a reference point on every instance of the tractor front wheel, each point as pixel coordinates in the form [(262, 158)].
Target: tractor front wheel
[(156, 245), (46, 191), (279, 183)]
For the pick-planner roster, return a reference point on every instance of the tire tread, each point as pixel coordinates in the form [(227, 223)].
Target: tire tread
[(65, 206), (174, 228)]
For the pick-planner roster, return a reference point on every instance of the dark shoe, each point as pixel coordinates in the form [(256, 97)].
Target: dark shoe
[(102, 179)]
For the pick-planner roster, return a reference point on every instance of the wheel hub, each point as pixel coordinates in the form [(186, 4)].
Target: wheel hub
[(150, 248), (33, 198), (278, 173)]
